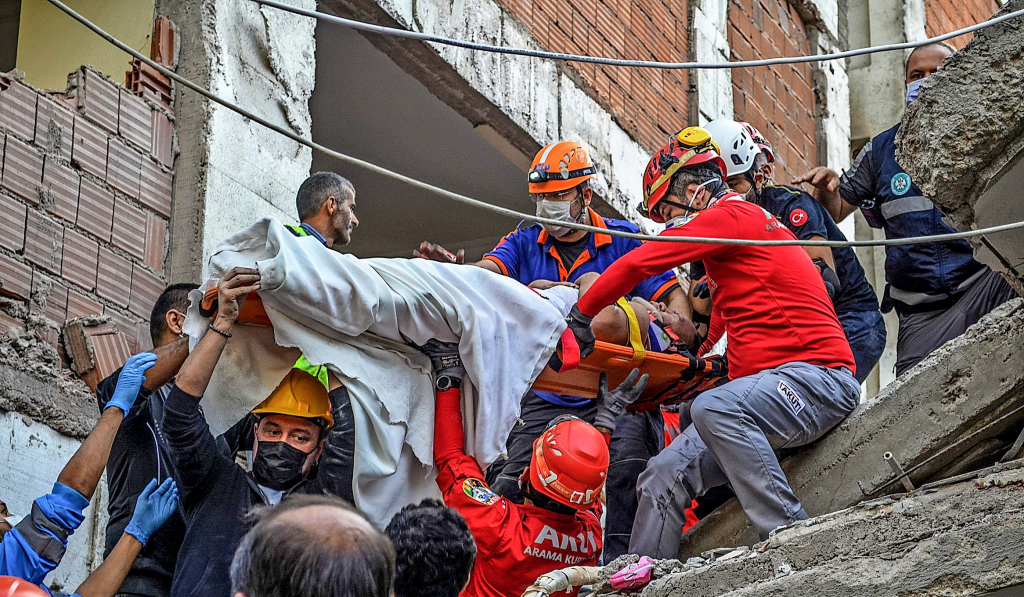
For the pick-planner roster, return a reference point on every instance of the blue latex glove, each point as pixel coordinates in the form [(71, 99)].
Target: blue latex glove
[(130, 381), (154, 507)]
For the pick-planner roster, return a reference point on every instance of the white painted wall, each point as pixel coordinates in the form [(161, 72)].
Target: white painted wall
[(34, 456)]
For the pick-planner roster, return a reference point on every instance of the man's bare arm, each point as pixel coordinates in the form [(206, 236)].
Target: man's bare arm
[(825, 188), (435, 252), (169, 360)]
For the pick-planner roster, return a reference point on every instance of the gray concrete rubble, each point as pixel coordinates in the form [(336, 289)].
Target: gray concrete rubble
[(963, 537), (33, 383), (950, 401), (962, 141)]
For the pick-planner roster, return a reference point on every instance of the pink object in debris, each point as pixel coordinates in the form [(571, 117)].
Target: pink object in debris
[(633, 576)]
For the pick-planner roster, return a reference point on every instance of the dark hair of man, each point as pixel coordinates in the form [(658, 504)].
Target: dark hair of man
[(317, 188), (684, 177), (290, 559), (906, 63), (434, 550), (174, 297)]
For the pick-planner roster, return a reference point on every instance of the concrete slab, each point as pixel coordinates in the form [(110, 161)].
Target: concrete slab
[(964, 538), (963, 386)]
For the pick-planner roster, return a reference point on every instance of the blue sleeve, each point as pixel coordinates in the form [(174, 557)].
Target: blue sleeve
[(857, 186), (654, 288), (508, 254), (34, 547), (805, 217)]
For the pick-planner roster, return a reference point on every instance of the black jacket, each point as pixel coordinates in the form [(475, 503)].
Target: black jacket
[(216, 494)]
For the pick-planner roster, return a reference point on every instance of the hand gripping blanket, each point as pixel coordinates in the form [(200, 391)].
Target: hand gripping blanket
[(358, 317)]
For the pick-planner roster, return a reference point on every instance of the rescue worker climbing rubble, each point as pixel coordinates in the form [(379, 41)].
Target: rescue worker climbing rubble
[(790, 367), (853, 298), (544, 255), (558, 524), (294, 424), (34, 547), (937, 288)]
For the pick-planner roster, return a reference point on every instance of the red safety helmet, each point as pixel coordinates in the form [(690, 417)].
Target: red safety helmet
[(692, 146), (570, 463), (12, 586), (559, 167), (762, 143)]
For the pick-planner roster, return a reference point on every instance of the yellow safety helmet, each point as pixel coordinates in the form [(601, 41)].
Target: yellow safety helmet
[(298, 395)]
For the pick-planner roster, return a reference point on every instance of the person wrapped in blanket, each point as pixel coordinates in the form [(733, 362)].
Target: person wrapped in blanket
[(34, 547), (558, 524)]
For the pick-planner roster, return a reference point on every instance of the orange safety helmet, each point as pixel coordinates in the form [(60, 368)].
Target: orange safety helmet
[(298, 395), (559, 167), (12, 586), (690, 147), (570, 463)]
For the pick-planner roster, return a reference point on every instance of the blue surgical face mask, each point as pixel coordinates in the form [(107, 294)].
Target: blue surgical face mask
[(913, 88)]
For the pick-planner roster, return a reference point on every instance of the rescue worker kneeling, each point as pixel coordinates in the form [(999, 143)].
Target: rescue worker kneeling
[(558, 524), (790, 366), (294, 424)]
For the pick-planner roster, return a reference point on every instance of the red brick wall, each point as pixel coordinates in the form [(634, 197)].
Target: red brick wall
[(778, 101), (85, 196), (650, 104), (943, 16)]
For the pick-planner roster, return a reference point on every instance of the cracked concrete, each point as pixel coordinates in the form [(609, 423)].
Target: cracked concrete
[(960, 537), (962, 387)]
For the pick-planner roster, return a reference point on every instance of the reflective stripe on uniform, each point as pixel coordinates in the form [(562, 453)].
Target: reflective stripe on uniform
[(905, 205)]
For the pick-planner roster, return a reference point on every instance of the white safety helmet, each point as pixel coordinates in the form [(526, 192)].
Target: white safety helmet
[(737, 147)]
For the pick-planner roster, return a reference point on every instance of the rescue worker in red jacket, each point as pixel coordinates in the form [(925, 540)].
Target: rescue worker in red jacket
[(790, 367), (558, 525)]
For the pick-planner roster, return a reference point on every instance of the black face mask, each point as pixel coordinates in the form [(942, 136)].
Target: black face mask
[(277, 465)]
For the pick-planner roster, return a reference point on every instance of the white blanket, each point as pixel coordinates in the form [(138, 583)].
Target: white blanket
[(358, 316)]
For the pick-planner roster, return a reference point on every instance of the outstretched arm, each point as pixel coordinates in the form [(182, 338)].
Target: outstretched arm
[(82, 472), (155, 505), (436, 252), (825, 184)]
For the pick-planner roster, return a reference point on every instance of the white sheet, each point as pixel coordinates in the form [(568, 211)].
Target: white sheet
[(357, 317)]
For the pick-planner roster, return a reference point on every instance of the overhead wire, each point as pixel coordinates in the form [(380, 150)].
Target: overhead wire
[(419, 36), (504, 211)]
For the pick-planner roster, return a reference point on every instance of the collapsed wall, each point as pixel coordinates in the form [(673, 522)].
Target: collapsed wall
[(963, 537), (958, 392)]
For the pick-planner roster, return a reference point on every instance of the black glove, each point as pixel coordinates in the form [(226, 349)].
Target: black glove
[(611, 404), (701, 289), (580, 326), (444, 356), (828, 275)]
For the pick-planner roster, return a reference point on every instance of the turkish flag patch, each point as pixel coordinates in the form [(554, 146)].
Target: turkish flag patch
[(798, 217)]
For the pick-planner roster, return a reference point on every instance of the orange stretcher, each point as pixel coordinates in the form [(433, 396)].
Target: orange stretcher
[(674, 378)]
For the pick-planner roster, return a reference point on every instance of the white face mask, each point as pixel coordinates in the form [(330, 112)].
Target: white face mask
[(680, 220), (913, 89), (557, 210)]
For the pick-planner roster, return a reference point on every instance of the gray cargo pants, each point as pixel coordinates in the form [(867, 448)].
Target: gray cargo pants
[(736, 428)]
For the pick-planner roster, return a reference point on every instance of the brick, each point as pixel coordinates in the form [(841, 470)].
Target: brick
[(162, 146), (156, 188), (80, 255), (7, 323), (124, 167), (146, 288), (135, 120), (97, 98), (129, 232), (12, 223), (90, 148), (17, 108), (79, 305), (44, 240), (156, 231), (125, 327), (60, 190), (55, 298), (23, 170), (114, 279), (15, 278), (95, 209), (54, 128)]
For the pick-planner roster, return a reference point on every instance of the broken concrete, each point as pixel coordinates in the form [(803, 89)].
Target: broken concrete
[(962, 141), (954, 538), (965, 385), (32, 383)]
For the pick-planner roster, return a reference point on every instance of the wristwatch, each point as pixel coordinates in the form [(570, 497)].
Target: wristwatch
[(447, 382)]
